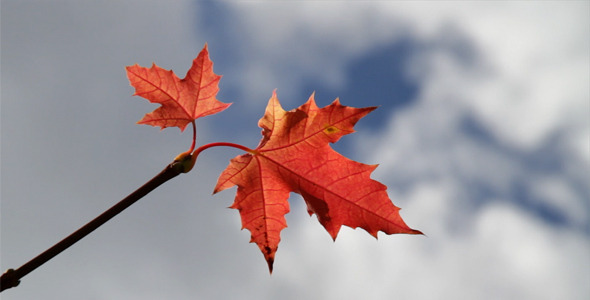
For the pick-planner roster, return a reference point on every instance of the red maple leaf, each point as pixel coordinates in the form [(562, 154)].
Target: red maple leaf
[(182, 100), (294, 155)]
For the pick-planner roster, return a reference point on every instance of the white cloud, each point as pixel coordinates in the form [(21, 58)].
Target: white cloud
[(536, 60), (526, 88), (507, 254), (526, 254), (535, 54)]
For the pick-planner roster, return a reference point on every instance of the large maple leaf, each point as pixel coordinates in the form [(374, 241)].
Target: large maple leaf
[(294, 155), (182, 100)]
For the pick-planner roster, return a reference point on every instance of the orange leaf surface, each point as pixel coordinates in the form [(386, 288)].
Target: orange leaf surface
[(182, 100), (294, 155)]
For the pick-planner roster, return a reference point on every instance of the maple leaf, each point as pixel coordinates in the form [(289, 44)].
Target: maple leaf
[(182, 100), (294, 155)]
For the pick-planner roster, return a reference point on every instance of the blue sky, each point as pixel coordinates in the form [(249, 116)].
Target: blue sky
[(482, 136)]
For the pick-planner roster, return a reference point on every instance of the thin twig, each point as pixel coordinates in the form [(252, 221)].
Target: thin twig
[(11, 277)]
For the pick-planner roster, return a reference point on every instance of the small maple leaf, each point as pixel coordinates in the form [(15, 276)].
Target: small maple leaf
[(182, 100), (294, 155)]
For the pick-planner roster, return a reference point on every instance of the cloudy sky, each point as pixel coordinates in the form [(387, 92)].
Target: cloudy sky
[(482, 137)]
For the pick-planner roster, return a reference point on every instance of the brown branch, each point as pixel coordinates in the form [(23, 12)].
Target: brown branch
[(11, 277)]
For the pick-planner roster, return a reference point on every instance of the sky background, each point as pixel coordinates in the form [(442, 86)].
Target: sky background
[(482, 137)]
